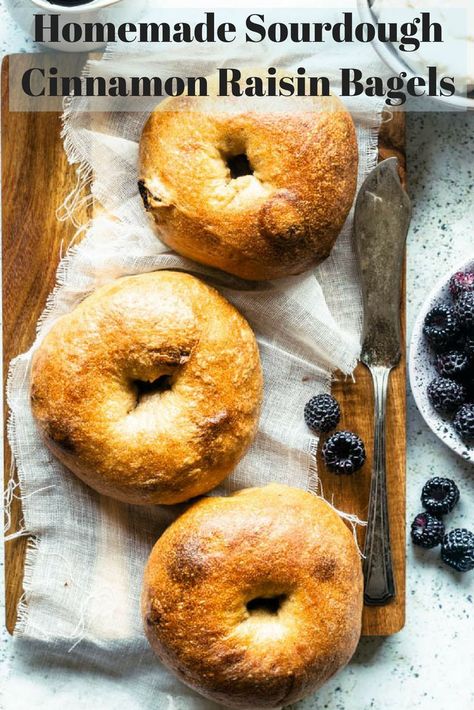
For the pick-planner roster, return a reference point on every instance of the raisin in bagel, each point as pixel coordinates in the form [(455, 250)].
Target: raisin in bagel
[(255, 600), (259, 195), (150, 389)]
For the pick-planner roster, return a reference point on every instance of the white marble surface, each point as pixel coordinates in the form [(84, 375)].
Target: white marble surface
[(430, 664)]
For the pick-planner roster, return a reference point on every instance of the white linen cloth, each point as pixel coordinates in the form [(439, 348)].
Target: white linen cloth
[(86, 553)]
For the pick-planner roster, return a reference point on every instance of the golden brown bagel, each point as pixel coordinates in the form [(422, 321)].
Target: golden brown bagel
[(150, 389), (282, 215), (255, 600)]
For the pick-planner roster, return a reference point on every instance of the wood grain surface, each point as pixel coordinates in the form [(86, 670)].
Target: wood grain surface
[(35, 180)]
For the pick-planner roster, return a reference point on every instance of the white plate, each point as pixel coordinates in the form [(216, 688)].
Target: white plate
[(422, 370)]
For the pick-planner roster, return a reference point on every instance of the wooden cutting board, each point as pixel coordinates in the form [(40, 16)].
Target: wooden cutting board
[(35, 180)]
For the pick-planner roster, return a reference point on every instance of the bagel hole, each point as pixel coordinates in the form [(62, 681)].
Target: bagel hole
[(266, 605), (239, 165), (144, 389)]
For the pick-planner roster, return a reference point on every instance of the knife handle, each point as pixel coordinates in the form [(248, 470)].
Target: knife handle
[(379, 586)]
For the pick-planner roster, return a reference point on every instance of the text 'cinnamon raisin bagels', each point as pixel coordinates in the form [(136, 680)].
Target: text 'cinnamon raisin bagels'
[(255, 600), (150, 389), (259, 194)]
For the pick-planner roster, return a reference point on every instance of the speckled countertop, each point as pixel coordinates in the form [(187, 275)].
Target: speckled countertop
[(431, 662)]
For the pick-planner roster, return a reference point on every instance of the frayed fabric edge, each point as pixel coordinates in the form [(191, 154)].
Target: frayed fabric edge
[(22, 612), (33, 542)]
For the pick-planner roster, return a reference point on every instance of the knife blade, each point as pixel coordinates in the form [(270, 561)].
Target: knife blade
[(381, 221)]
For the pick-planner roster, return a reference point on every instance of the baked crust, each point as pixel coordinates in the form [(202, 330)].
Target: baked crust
[(273, 542), (150, 389), (282, 219)]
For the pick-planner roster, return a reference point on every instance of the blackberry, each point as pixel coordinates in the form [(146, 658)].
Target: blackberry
[(427, 530), (453, 363), (465, 311), (446, 395), (457, 549), (464, 423), (322, 413), (439, 495), (460, 283), (441, 327), (344, 452)]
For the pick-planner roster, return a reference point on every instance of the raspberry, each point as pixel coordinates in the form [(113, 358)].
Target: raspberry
[(427, 530), (462, 282), (446, 395), (344, 452), (464, 422), (454, 363), (465, 312), (439, 495), (322, 413), (457, 549), (441, 327)]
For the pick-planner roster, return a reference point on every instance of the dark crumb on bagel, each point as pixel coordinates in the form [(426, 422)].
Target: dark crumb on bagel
[(144, 193)]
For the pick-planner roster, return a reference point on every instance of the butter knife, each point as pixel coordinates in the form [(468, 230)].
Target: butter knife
[(381, 221)]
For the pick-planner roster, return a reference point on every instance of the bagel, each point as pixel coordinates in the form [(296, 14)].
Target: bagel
[(258, 195), (254, 600), (150, 389)]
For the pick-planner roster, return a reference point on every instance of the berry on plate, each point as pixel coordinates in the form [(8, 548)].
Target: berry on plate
[(439, 495), (465, 312), (454, 364), (446, 395), (344, 452), (457, 549), (461, 282), (464, 422), (441, 327), (322, 413), (427, 530)]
